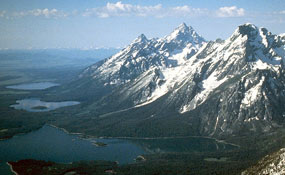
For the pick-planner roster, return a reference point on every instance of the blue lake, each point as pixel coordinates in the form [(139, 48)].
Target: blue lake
[(36, 105), (53, 144), (184, 144), (33, 86), (49, 143)]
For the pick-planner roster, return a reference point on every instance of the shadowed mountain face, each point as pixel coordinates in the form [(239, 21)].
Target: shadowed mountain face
[(183, 85)]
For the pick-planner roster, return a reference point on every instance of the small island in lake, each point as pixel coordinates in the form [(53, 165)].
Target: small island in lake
[(99, 144), (39, 107), (140, 158)]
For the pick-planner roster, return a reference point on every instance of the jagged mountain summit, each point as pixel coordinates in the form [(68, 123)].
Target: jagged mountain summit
[(144, 54), (183, 85)]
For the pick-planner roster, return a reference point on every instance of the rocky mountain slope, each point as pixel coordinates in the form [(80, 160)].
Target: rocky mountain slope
[(273, 164), (182, 85)]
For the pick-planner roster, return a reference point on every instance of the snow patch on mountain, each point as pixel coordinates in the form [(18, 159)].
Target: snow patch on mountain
[(251, 119), (174, 77), (208, 85), (181, 55), (252, 94), (171, 76)]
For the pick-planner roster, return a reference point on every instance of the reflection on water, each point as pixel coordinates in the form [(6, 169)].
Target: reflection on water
[(36, 105), (33, 86)]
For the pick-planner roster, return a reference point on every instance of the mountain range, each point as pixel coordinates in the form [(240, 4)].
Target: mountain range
[(182, 85)]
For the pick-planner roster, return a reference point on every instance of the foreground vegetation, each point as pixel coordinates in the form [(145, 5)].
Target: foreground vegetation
[(191, 163)]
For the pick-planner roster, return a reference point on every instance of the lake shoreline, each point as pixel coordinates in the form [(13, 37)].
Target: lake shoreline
[(31, 105), (32, 86), (84, 136), (11, 168), (52, 144)]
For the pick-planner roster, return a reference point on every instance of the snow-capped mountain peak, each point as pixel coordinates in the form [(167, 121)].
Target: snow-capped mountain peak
[(246, 30), (262, 48), (249, 49), (143, 54), (141, 38), (181, 73), (184, 33), (183, 26), (282, 36)]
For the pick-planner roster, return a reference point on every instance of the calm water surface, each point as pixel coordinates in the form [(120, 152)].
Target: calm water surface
[(186, 144), (52, 144), (32, 104), (33, 86)]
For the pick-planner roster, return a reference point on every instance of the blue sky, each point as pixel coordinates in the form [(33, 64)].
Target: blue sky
[(98, 23)]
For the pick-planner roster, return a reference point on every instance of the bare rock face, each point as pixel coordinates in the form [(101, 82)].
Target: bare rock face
[(273, 164)]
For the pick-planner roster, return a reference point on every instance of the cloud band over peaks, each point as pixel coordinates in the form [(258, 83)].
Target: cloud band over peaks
[(120, 9)]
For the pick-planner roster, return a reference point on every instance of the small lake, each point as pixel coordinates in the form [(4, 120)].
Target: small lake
[(33, 86), (36, 105)]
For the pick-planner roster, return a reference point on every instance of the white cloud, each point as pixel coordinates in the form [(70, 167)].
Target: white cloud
[(47, 13), (232, 11), (120, 9), (187, 11), (44, 12), (182, 9)]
